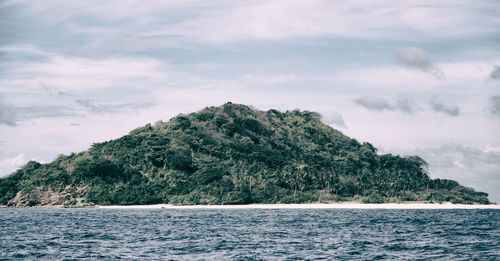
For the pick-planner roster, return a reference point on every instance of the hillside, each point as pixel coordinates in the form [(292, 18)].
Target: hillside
[(231, 154)]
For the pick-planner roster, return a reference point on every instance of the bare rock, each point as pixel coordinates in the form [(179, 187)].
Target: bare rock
[(51, 197)]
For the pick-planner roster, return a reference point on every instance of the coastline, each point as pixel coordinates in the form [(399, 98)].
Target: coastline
[(347, 205)]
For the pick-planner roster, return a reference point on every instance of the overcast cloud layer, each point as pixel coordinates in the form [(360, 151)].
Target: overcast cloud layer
[(407, 76)]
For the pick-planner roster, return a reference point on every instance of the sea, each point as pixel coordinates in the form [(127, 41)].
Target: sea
[(249, 234)]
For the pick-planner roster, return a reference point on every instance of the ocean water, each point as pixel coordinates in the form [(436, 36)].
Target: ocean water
[(249, 234)]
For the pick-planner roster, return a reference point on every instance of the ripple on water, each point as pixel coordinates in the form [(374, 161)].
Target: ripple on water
[(250, 234)]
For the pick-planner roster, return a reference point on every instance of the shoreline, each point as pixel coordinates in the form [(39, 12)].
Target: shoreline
[(348, 205), (336, 205)]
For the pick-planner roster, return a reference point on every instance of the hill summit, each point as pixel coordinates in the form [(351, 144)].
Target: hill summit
[(231, 154)]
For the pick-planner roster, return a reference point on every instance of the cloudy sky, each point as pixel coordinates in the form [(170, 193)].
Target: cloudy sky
[(410, 77)]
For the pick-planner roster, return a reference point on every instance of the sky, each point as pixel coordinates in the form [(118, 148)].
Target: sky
[(410, 77)]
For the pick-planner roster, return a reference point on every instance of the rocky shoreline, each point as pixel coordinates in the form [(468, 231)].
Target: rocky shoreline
[(341, 205)]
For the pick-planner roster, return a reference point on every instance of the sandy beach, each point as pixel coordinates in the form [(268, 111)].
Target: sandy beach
[(313, 206)]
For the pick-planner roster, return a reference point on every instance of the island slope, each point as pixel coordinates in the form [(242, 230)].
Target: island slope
[(231, 154)]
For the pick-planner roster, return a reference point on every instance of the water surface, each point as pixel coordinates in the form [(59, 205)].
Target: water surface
[(250, 234)]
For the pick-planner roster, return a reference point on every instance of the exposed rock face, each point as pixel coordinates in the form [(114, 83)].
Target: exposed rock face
[(69, 196)]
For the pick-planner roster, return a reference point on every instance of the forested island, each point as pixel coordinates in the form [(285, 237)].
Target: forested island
[(231, 154)]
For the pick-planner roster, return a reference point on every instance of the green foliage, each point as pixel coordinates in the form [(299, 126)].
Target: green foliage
[(9, 187), (234, 154)]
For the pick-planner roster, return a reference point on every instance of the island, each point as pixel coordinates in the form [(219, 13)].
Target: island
[(231, 155)]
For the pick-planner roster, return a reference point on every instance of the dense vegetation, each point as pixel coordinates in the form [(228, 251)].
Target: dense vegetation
[(234, 154)]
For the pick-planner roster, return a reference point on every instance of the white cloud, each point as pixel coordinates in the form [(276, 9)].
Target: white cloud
[(74, 73), (228, 21), (362, 19), (470, 166), (7, 114), (495, 73), (470, 71), (458, 164), (403, 103), (491, 148), (416, 58), (9, 165), (390, 78), (24, 49), (269, 79), (439, 106), (103, 108), (109, 10), (461, 76), (333, 118), (406, 104), (374, 103), (393, 130), (279, 20), (495, 105), (62, 86)]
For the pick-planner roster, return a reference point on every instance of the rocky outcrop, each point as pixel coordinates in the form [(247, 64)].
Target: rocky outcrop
[(69, 196)]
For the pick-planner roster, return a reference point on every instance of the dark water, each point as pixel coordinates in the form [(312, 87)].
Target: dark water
[(251, 234)]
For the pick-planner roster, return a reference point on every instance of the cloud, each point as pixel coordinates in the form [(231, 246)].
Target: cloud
[(491, 148), (32, 112), (10, 115), (438, 106), (102, 108), (472, 167), (374, 103), (93, 23), (7, 114), (50, 91), (462, 75), (274, 20), (449, 154), (62, 72), (334, 118), (62, 86), (406, 104), (9, 165), (495, 74), (416, 58), (58, 75), (23, 50), (403, 103), (269, 79), (495, 105)]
